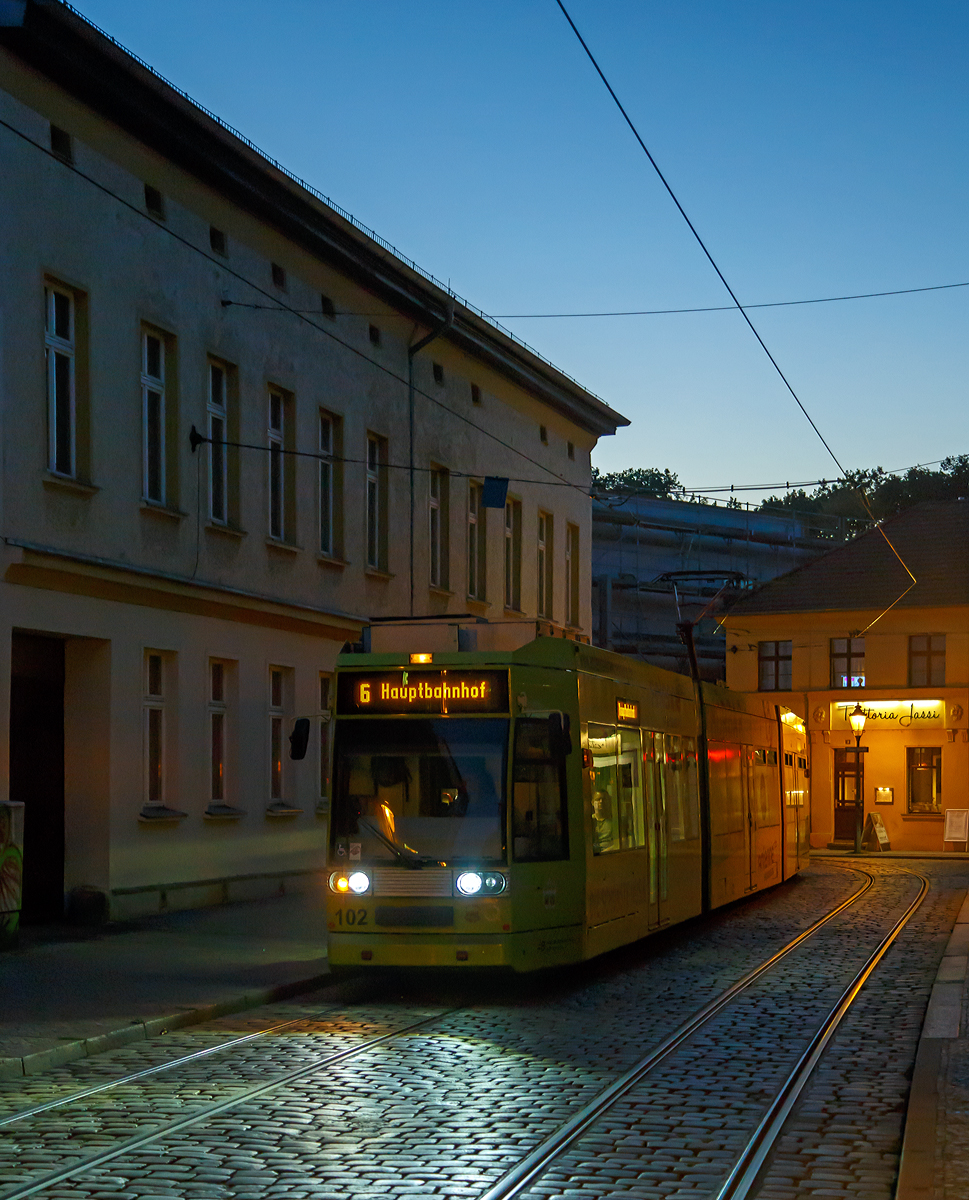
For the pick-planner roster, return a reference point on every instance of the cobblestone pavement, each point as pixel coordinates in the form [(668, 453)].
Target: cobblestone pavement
[(446, 1109)]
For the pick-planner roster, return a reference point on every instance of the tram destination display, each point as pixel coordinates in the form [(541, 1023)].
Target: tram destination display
[(444, 692)]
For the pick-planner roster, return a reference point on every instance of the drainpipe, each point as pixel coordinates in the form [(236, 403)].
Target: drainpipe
[(411, 351), (685, 630)]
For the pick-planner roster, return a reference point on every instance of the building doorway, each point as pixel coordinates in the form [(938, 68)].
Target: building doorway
[(37, 769), (849, 790)]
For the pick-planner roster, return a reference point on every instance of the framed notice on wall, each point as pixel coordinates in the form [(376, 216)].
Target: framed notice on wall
[(956, 825)]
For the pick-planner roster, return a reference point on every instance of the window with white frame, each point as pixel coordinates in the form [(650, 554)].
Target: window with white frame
[(61, 355), (327, 540), (325, 725), (276, 717), (154, 728), (218, 426), (376, 521), (153, 416), (217, 731), (477, 544), (545, 564), (277, 481), (437, 514), (513, 555), (572, 615)]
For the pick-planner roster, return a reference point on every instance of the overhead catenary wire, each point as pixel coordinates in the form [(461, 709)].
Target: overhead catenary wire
[(223, 266), (740, 308)]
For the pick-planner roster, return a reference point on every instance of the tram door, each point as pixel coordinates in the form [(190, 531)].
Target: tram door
[(849, 786), (654, 760)]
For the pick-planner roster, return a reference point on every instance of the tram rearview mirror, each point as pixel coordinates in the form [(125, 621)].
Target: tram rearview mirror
[(299, 739), (560, 733)]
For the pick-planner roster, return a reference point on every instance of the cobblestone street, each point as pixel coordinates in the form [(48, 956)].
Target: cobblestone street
[(438, 1090)]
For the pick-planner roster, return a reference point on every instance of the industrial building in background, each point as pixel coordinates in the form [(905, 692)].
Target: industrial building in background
[(657, 562), (239, 429)]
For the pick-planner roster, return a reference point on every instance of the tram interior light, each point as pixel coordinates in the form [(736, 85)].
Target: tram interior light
[(358, 882)]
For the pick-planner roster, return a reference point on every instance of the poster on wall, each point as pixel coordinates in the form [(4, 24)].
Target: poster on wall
[(956, 825)]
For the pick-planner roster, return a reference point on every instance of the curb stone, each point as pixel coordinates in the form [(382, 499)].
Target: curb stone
[(136, 1031)]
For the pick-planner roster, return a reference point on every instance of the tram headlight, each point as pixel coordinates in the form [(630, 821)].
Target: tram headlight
[(339, 883), (479, 883), (469, 883), (359, 882)]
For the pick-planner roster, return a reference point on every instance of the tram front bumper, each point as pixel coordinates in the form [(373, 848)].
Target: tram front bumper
[(521, 951)]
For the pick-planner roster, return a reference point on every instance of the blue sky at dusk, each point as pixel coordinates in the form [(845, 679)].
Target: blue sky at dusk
[(820, 149)]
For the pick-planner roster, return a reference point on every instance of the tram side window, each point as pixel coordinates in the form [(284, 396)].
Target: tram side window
[(618, 821), (682, 795), (763, 800), (726, 789), (539, 811)]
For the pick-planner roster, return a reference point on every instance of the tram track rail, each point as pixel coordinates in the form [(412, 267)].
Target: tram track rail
[(743, 1177), (531, 1167)]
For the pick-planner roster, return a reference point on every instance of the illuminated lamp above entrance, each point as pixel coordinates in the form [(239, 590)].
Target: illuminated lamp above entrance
[(890, 714)]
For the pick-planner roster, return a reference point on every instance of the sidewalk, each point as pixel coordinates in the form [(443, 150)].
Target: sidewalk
[(935, 1148), (97, 989)]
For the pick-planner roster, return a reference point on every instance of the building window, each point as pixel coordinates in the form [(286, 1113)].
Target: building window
[(60, 350), (218, 461), (543, 434), (570, 446), (572, 614), (438, 373), (325, 683), (154, 718), (153, 416), (376, 502), (326, 306), (326, 484), (276, 692), (374, 335), (279, 276), (438, 526), (217, 731), (848, 662), (545, 565), (924, 779), (61, 143), (477, 544), (926, 660), (154, 202), (277, 481), (513, 555), (217, 241), (774, 666), (475, 394)]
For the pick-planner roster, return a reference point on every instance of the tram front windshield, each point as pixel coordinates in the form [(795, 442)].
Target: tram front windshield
[(420, 791)]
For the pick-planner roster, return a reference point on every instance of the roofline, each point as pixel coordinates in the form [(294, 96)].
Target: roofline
[(63, 45)]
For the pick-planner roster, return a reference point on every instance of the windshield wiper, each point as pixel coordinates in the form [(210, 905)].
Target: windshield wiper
[(410, 859)]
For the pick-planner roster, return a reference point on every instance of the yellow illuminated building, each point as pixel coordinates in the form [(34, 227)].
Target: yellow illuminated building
[(820, 638)]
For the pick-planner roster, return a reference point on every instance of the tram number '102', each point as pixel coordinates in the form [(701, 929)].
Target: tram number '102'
[(351, 916)]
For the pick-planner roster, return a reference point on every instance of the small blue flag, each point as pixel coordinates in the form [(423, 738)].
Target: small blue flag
[(494, 492)]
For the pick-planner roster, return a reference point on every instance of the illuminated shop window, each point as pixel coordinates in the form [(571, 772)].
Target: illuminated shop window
[(924, 779)]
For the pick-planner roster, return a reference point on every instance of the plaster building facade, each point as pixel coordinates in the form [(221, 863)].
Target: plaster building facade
[(843, 632), (237, 429), (658, 561)]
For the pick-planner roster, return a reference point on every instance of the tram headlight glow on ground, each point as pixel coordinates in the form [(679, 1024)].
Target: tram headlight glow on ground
[(359, 882), (469, 883)]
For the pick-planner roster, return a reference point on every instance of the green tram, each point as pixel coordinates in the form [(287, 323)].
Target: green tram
[(538, 807)]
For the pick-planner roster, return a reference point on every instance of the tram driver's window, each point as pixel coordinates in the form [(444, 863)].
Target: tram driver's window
[(538, 812)]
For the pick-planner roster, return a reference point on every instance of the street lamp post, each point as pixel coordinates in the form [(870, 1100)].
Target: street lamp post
[(856, 719)]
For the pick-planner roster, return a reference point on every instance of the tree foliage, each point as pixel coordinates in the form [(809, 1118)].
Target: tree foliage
[(639, 481), (885, 494)]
